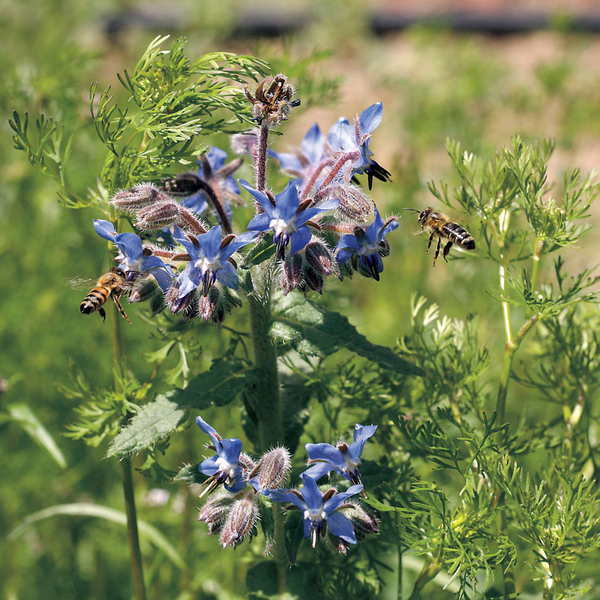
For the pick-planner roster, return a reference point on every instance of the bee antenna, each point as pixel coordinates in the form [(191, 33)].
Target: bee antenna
[(413, 209)]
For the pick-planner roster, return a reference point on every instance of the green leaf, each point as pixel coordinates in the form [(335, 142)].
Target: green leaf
[(157, 420), (190, 474), (152, 424), (293, 534), (380, 506), (22, 414), (260, 252), (315, 331), (83, 509)]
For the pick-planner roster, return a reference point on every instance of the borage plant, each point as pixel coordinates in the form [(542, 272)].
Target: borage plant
[(184, 243)]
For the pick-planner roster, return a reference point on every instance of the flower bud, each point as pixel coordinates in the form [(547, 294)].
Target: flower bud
[(240, 521), (158, 216), (145, 289), (319, 258), (214, 511), (272, 469), (138, 197), (174, 302), (313, 280), (207, 305), (354, 204), (292, 272), (272, 100), (363, 520)]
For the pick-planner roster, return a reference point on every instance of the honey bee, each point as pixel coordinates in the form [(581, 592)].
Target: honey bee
[(109, 285), (442, 226)]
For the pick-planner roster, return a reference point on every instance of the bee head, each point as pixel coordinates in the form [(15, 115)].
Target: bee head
[(424, 214)]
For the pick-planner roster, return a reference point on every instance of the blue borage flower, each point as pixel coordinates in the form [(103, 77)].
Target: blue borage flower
[(319, 510), (210, 168), (134, 260), (367, 245), (224, 467), (346, 137), (312, 152), (287, 217), (210, 259), (345, 459)]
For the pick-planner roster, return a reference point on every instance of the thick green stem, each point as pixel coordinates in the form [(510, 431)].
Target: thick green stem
[(428, 572), (132, 532), (537, 256), (267, 402)]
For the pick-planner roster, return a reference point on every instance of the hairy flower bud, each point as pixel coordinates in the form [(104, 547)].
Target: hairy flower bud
[(291, 276), (214, 511), (354, 204), (363, 520), (138, 197), (313, 279), (174, 302), (271, 470), (145, 289), (240, 521), (158, 216), (207, 305), (320, 258)]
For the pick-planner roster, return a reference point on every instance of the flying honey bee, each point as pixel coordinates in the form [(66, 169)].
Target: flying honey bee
[(109, 285), (442, 226)]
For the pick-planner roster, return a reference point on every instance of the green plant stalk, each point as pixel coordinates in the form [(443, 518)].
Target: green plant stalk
[(135, 553), (267, 402), (428, 572), (537, 257)]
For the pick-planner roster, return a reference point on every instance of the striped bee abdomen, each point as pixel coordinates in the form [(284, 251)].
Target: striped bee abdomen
[(458, 235), (94, 300)]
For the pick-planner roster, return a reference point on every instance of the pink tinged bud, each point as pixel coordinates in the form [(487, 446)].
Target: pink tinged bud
[(319, 258), (354, 204), (207, 305), (138, 197), (292, 272), (272, 469), (214, 512), (246, 462), (240, 521), (159, 216), (313, 280), (145, 288), (243, 143)]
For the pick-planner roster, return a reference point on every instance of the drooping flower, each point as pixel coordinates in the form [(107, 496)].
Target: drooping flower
[(302, 163), (134, 259), (365, 247), (210, 260), (286, 218), (343, 458), (346, 137), (320, 511), (225, 467)]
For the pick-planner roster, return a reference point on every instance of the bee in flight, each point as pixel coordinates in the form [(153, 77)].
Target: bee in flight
[(109, 285), (442, 226)]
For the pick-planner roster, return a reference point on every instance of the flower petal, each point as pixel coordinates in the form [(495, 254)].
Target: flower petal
[(313, 144), (228, 276), (311, 493), (325, 452), (208, 466), (370, 118), (189, 280), (230, 450), (206, 427), (337, 500), (320, 469), (261, 198), (300, 239), (210, 242), (341, 527), (259, 223), (105, 229)]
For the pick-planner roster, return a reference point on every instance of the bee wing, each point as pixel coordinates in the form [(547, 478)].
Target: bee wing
[(80, 283)]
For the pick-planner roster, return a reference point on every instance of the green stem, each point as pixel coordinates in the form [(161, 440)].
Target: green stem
[(126, 470), (537, 256), (428, 572), (267, 403), (132, 532)]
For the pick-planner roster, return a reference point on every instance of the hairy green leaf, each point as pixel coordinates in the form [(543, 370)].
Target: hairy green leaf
[(315, 331)]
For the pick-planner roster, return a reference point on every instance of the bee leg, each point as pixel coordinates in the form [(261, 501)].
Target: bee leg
[(429, 244), (446, 250), (102, 313), (120, 309), (437, 250)]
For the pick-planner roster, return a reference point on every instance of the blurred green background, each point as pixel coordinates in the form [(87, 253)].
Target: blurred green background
[(434, 83)]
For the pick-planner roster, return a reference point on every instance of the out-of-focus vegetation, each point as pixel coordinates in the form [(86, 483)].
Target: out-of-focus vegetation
[(433, 85)]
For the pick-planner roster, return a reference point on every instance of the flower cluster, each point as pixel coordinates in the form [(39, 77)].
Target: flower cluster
[(321, 224), (233, 513)]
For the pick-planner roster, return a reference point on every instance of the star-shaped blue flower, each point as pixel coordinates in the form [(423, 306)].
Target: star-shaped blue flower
[(320, 512), (346, 137), (215, 158), (367, 245), (312, 151), (286, 218), (134, 260), (345, 459), (224, 467), (209, 260)]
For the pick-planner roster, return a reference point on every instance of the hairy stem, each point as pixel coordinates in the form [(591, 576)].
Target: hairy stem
[(267, 402), (260, 158)]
